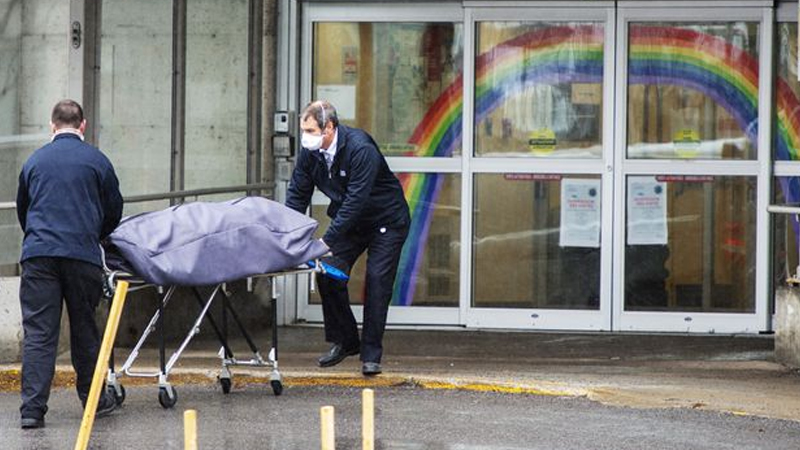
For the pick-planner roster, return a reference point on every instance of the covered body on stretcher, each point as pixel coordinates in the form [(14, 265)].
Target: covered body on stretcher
[(208, 244)]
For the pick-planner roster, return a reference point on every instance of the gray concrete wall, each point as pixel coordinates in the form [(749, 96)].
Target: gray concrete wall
[(216, 93), (135, 94), (787, 331), (33, 76)]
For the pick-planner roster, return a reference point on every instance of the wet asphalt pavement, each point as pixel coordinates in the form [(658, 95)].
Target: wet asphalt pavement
[(251, 417)]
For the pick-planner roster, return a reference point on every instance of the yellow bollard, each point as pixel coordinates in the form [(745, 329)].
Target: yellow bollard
[(102, 365), (190, 429), (368, 419), (328, 436)]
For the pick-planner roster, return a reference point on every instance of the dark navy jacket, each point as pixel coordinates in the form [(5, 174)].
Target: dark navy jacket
[(67, 201), (365, 194)]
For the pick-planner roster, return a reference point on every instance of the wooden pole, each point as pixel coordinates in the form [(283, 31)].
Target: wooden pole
[(190, 429), (102, 365), (327, 435), (368, 419)]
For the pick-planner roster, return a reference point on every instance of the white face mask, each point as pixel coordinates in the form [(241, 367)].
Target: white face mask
[(311, 141)]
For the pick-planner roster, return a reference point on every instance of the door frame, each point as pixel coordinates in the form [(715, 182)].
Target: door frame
[(696, 322), (391, 12)]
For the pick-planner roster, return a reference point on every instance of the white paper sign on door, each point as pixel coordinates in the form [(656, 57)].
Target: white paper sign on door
[(580, 213), (647, 211), (342, 97)]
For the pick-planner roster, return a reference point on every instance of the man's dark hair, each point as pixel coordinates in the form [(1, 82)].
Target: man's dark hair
[(322, 111), (67, 113)]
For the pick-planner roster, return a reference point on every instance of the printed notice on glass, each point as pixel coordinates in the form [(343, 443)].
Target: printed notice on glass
[(342, 97), (580, 213), (647, 211)]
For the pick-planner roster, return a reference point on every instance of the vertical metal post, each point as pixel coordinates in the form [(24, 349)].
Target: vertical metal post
[(162, 357), (274, 307), (77, 48), (178, 96), (255, 31), (84, 59)]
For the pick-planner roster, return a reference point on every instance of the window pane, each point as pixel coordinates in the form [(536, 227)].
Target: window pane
[(693, 90), (216, 93), (135, 127), (528, 259), (33, 64), (787, 87), (399, 81), (428, 273), (690, 243), (539, 89)]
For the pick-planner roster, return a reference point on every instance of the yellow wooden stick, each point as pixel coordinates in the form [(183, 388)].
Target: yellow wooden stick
[(190, 429), (368, 419), (102, 365), (327, 435)]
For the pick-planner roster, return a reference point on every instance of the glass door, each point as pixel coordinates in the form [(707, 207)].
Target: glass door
[(396, 72), (693, 148), (539, 168)]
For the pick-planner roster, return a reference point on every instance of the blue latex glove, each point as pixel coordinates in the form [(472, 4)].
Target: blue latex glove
[(330, 270)]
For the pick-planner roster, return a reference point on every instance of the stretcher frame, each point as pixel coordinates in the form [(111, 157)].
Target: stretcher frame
[(167, 395)]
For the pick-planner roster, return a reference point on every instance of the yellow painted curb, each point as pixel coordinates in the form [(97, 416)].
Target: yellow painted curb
[(488, 387), (9, 382)]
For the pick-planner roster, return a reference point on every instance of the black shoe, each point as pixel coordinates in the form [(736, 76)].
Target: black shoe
[(28, 423), (335, 355), (371, 368), (105, 405)]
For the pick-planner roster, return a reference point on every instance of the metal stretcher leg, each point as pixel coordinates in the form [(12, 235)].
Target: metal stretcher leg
[(225, 352), (113, 385), (165, 389), (151, 326), (275, 377), (167, 396), (257, 361), (221, 335)]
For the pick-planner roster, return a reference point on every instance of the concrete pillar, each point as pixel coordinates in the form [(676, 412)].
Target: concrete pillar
[(787, 333), (10, 320)]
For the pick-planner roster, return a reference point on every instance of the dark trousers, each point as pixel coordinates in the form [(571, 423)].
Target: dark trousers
[(45, 281), (383, 253)]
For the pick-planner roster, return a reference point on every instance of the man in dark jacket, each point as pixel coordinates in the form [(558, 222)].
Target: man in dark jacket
[(67, 201), (368, 212)]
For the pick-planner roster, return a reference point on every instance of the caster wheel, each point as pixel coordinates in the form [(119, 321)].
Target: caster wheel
[(119, 397), (226, 385), (277, 387), (165, 399)]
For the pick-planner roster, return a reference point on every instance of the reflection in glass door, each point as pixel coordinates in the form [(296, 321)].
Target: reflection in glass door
[(539, 253), (692, 93)]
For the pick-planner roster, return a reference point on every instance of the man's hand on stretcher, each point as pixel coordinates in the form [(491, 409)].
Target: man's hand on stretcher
[(332, 266)]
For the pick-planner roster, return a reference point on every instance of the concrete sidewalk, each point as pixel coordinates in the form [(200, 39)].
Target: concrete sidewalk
[(733, 374)]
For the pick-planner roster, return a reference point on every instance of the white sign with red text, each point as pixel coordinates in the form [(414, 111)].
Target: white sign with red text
[(647, 211), (580, 213)]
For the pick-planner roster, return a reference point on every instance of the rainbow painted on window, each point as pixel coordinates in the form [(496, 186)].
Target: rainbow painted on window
[(565, 54)]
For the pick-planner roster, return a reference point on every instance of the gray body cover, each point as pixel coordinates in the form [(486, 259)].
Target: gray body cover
[(206, 243)]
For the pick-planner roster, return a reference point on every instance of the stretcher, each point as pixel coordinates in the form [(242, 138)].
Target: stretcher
[(203, 247), (167, 395)]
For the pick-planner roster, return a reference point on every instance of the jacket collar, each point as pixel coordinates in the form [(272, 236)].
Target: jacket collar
[(66, 133), (341, 143)]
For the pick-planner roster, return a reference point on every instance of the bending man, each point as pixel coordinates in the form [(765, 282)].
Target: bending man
[(368, 213)]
